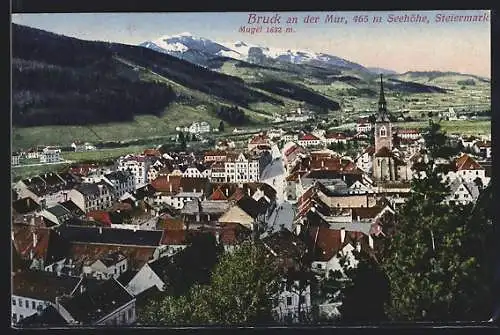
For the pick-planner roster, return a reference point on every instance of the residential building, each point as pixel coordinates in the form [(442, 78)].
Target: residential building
[(199, 127), (242, 169), (33, 291), (137, 165), (92, 196), (107, 303), (15, 159), (309, 140), (462, 192), (50, 155), (410, 134), (108, 266)]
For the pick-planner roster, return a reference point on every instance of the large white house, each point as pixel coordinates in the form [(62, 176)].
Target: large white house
[(92, 196), (241, 169), (50, 155), (137, 165)]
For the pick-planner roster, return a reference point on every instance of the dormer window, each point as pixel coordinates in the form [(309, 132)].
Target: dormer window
[(383, 132)]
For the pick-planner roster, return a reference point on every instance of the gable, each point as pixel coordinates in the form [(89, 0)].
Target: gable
[(236, 214)]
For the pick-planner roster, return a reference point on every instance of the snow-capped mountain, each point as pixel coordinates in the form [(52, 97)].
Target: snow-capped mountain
[(200, 50)]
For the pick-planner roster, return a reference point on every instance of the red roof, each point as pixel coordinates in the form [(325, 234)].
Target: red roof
[(259, 139), (467, 163), (152, 152), (308, 137), (384, 152), (408, 131), (217, 195), (174, 237), (328, 242), (100, 216), (163, 183)]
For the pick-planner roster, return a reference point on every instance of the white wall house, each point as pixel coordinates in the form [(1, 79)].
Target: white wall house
[(15, 159), (92, 196), (50, 155), (199, 127), (365, 161), (289, 299), (309, 140), (23, 306), (242, 170), (363, 127), (192, 172), (137, 165), (109, 266), (145, 279)]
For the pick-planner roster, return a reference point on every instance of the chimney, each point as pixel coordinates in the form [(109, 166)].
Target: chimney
[(358, 246), (248, 191), (168, 177), (322, 164), (170, 188), (298, 229), (370, 241), (100, 230), (342, 235), (227, 192), (358, 218), (217, 237)]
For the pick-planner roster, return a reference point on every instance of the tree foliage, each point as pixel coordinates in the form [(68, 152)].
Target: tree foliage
[(241, 292), (437, 261)]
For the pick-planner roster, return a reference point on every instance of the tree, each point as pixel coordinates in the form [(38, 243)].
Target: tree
[(241, 291), (182, 141), (436, 262), (434, 138), (221, 126)]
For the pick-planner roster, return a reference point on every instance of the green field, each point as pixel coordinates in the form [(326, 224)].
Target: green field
[(20, 172), (454, 127)]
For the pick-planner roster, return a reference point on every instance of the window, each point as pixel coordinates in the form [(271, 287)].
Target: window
[(33, 305), (456, 196), (14, 317), (13, 302), (383, 132), (26, 304), (289, 301), (130, 313), (20, 302)]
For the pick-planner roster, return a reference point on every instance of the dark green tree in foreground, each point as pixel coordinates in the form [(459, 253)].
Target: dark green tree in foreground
[(221, 126), (182, 141), (438, 261), (241, 291), (438, 143)]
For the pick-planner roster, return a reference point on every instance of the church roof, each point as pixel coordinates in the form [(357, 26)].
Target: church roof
[(382, 115)]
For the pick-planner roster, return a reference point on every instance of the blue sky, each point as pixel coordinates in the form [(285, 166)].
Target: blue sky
[(461, 47)]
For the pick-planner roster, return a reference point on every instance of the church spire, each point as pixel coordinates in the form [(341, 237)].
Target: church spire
[(381, 100)]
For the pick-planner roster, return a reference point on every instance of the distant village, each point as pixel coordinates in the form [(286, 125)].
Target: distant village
[(91, 245)]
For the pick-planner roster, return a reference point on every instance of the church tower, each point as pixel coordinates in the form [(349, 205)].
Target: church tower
[(383, 129)]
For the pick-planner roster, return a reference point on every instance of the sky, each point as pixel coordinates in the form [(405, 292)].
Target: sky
[(440, 46)]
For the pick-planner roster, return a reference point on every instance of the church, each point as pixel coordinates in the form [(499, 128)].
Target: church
[(387, 163)]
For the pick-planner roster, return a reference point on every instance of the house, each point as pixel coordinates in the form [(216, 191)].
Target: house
[(199, 127), (363, 125), (47, 317), (335, 138), (138, 165), (450, 114), (257, 140), (50, 188), (293, 303), (121, 182), (246, 211), (205, 211), (108, 266), (33, 291), (172, 241), (105, 304), (309, 140), (275, 133), (225, 145), (34, 153), (482, 148), (468, 170), (15, 159), (462, 192), (50, 155), (165, 189), (80, 146), (290, 136), (215, 156), (92, 196), (42, 248), (409, 134), (241, 168), (56, 215)]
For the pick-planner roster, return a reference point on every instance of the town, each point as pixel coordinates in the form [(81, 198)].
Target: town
[(95, 244)]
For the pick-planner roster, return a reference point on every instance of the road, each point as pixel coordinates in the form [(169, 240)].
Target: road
[(274, 174), (40, 164)]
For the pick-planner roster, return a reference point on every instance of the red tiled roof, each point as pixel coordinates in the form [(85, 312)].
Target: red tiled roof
[(217, 195), (168, 223), (23, 241), (408, 131), (136, 256), (174, 237), (308, 137), (259, 139), (483, 144), (328, 242), (163, 183), (100, 216), (237, 195), (152, 152), (215, 153), (467, 163)]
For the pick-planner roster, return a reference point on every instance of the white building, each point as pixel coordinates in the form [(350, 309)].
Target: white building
[(309, 140), (364, 127), (292, 296), (462, 193), (199, 128), (50, 155), (365, 160), (137, 165), (106, 267), (241, 169), (92, 196), (121, 181), (410, 134), (15, 159)]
